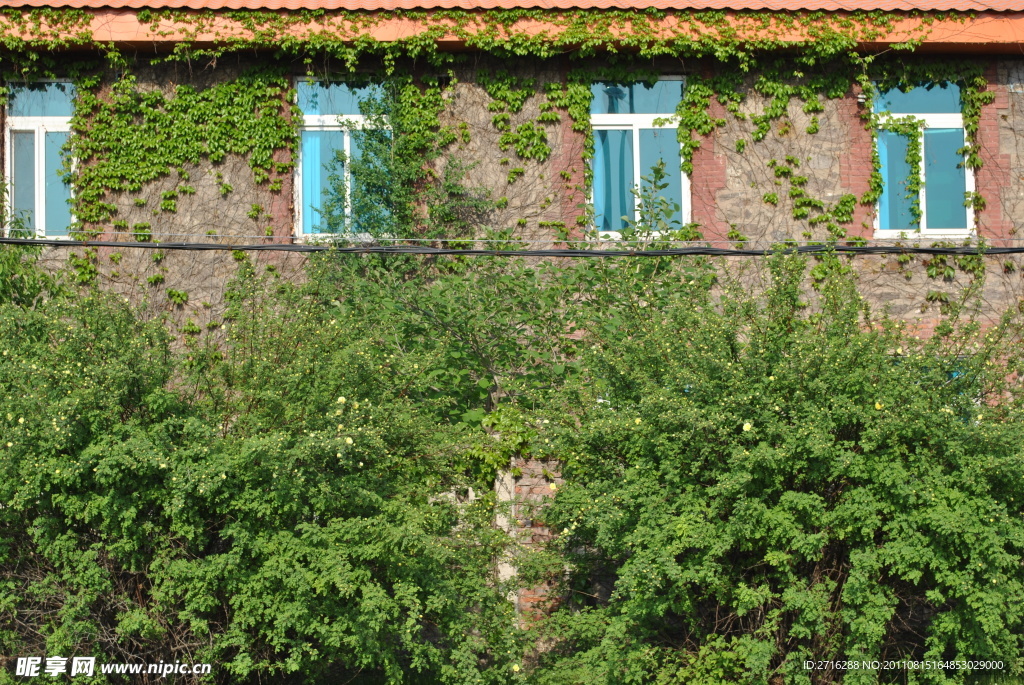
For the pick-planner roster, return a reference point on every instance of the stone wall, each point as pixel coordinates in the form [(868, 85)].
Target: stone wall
[(545, 193)]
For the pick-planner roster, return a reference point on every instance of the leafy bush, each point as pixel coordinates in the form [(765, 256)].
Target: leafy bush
[(278, 506), (753, 483), (750, 481)]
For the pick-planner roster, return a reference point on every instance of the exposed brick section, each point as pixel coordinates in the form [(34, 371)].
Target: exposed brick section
[(855, 163), (568, 159), (282, 204), (532, 491), (707, 180), (993, 178)]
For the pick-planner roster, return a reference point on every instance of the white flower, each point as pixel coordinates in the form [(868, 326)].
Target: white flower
[(747, 426), (348, 441), (341, 400)]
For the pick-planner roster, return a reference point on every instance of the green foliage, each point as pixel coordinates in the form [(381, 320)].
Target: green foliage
[(736, 237), (481, 350), (751, 483), (656, 224), (178, 297), (910, 128), (84, 266), (142, 232), (508, 94), (22, 283), (403, 167), (132, 135), (284, 507)]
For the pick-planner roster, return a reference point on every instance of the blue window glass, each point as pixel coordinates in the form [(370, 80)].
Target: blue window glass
[(943, 176), (661, 146), (629, 142), (661, 97), (369, 183), (38, 118), (330, 142), (895, 204), (57, 196), (613, 179), (41, 100), (322, 171), (23, 177), (339, 99), (928, 99)]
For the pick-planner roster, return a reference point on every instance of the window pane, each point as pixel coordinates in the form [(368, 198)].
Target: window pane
[(356, 147), (322, 205), (58, 193), (319, 97), (662, 145), (370, 182), (612, 98), (41, 100), (894, 205), (945, 180), (23, 177), (939, 99), (613, 178)]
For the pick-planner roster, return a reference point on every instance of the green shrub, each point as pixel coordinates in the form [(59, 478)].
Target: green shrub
[(754, 483)]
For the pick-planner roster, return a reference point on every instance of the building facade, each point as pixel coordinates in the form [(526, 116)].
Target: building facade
[(260, 122)]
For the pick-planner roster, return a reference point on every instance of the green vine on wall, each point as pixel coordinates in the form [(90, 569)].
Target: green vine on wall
[(127, 137), (909, 127), (906, 75), (747, 59)]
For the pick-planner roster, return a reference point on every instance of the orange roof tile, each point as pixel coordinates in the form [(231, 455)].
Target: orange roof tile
[(773, 5)]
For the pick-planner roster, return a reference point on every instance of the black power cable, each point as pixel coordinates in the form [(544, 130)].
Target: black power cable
[(639, 252)]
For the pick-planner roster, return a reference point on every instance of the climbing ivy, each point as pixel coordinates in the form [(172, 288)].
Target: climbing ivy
[(126, 136), (907, 75)]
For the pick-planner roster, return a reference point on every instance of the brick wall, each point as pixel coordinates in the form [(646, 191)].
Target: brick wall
[(536, 483)]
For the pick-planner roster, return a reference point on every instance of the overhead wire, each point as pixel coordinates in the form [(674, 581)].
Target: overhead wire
[(639, 249)]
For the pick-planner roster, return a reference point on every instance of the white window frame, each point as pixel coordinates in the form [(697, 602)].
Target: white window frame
[(39, 126), (634, 123), (942, 120), (346, 123)]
